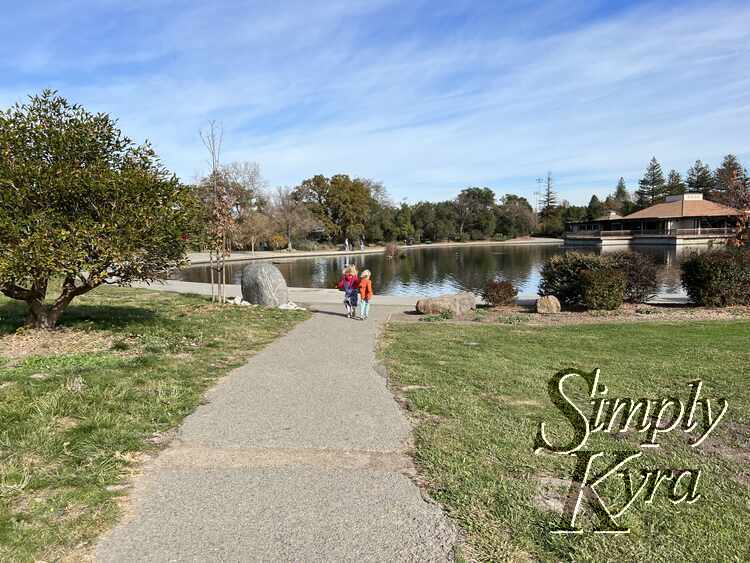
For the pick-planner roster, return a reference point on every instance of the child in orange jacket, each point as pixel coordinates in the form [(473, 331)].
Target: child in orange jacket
[(365, 294)]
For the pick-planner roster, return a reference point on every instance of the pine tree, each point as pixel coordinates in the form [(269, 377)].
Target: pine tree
[(700, 179), (651, 188), (621, 191), (623, 202), (595, 208), (726, 177), (549, 200), (675, 185)]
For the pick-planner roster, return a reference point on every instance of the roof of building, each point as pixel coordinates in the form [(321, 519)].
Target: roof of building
[(685, 205)]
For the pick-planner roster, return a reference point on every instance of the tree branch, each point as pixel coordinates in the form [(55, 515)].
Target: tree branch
[(15, 292)]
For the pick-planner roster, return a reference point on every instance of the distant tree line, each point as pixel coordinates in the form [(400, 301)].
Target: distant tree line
[(728, 184), (327, 211)]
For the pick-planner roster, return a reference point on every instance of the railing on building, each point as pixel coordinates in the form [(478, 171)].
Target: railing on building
[(716, 231)]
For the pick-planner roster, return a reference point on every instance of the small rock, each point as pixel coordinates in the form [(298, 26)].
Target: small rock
[(39, 376), (547, 304), (238, 300), (458, 304), (76, 384), (116, 488)]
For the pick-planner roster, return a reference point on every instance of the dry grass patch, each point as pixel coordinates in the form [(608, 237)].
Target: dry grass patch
[(35, 342)]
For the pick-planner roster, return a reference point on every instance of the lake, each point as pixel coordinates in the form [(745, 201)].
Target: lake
[(428, 271)]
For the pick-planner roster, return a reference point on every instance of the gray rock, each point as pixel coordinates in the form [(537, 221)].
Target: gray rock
[(547, 304), (458, 304), (263, 284)]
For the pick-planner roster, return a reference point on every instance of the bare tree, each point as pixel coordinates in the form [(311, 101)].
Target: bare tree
[(220, 211), (247, 187), (255, 228), (291, 215)]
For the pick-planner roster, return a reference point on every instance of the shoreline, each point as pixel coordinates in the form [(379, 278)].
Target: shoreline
[(201, 258), (319, 295)]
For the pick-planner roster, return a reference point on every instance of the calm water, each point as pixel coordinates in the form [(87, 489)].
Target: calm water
[(432, 271)]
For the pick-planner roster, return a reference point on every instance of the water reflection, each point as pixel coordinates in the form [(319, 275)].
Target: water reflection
[(432, 271)]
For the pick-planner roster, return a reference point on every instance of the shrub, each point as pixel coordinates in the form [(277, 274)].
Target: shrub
[(306, 244), (278, 241), (641, 275), (718, 278), (603, 288), (499, 293), (392, 250), (561, 275)]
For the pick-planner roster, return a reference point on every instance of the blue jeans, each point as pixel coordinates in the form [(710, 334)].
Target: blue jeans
[(364, 308)]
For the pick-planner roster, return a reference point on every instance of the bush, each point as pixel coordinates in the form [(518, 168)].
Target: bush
[(561, 275), (392, 250), (603, 288), (640, 273), (278, 241), (306, 244), (718, 278), (498, 293)]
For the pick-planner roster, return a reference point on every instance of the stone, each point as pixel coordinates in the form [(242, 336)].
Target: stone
[(547, 304), (263, 284), (238, 300), (458, 304)]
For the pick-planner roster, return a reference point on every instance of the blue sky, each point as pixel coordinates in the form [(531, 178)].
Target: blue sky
[(426, 96)]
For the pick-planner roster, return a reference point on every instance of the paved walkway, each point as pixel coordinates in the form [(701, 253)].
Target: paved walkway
[(297, 456)]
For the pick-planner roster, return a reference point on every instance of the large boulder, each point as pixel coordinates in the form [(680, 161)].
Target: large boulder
[(458, 304), (547, 304), (263, 284)]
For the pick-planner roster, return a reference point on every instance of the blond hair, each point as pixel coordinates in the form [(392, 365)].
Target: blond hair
[(351, 269), (365, 274)]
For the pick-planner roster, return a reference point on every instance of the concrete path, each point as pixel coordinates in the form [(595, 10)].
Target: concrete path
[(300, 295), (297, 456)]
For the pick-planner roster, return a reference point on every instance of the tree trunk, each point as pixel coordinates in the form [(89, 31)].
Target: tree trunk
[(39, 315), (46, 316)]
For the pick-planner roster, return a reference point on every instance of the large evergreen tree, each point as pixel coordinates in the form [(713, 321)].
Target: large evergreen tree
[(651, 188), (727, 176), (675, 185), (623, 202), (621, 191), (595, 208), (700, 179), (475, 210)]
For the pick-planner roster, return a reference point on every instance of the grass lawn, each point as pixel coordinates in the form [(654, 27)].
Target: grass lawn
[(79, 407), (480, 392)]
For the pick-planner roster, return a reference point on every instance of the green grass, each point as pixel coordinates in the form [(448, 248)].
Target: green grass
[(80, 424), (479, 402)]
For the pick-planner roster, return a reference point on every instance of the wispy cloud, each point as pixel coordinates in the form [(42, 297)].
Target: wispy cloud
[(426, 99)]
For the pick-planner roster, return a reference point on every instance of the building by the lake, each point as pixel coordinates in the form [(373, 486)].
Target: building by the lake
[(681, 219)]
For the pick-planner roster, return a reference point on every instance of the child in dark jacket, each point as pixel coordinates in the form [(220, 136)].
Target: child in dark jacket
[(349, 284)]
